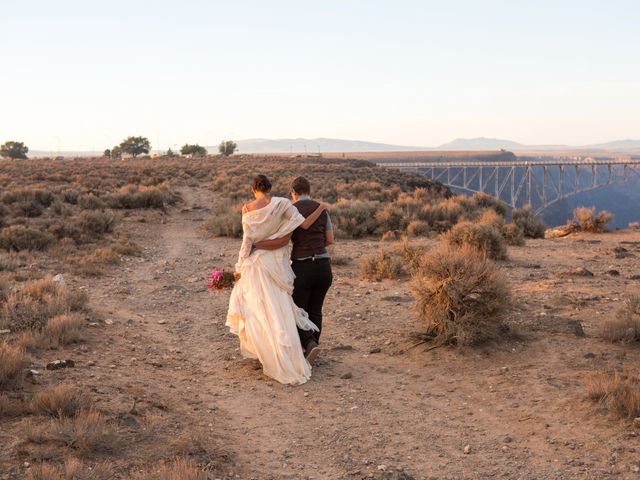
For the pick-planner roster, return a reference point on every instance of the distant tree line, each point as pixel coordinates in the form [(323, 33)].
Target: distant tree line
[(132, 146)]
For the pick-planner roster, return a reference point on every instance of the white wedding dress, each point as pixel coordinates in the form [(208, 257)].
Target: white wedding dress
[(261, 310)]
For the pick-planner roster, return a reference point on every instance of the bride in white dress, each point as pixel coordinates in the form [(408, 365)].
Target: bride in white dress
[(261, 310)]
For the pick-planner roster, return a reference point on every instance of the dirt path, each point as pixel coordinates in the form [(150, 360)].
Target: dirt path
[(375, 408)]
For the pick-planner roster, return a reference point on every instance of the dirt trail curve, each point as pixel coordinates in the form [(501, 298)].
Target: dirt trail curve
[(373, 409)]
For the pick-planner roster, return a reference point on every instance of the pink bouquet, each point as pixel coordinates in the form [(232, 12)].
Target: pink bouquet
[(220, 280)]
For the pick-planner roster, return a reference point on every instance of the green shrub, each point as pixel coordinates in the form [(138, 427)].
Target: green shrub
[(227, 222), (531, 226), (19, 237), (355, 219)]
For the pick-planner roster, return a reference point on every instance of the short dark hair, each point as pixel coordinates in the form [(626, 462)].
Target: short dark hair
[(301, 186), (261, 184)]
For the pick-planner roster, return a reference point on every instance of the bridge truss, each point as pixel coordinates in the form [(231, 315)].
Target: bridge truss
[(536, 183)]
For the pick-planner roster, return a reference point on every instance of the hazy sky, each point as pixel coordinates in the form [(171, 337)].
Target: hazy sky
[(84, 74)]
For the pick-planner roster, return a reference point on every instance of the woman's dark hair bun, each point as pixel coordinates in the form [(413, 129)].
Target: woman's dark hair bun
[(261, 184)]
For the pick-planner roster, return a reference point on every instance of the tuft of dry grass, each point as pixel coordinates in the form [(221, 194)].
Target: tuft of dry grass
[(8, 263), (619, 392), (12, 407), (94, 264), (31, 306), (179, 469), (73, 469), (13, 360), (586, 220), (461, 296), (380, 266), (63, 329), (88, 432), (63, 400), (484, 238), (531, 226), (625, 326)]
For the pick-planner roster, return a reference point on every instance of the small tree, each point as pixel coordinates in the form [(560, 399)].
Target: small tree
[(195, 150), (14, 150), (116, 152), (227, 147), (170, 153), (107, 153), (134, 146)]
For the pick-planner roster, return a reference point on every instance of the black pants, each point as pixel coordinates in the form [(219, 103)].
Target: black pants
[(313, 279)]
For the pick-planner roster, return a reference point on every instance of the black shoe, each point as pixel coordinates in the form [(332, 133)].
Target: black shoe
[(312, 352)]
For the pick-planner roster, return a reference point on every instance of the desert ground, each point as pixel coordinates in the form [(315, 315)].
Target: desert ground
[(381, 404)]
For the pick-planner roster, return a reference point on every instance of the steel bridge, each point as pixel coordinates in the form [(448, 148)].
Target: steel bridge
[(538, 183)]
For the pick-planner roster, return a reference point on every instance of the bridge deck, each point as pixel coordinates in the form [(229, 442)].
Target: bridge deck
[(540, 163)]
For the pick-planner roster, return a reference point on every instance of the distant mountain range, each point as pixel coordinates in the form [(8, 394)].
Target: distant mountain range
[(332, 145), (482, 143), (314, 145)]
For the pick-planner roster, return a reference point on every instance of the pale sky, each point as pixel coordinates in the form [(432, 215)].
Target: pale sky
[(85, 74)]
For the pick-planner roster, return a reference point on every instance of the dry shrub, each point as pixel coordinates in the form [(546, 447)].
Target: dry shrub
[(8, 263), (513, 234), (586, 220), (39, 196), (531, 226), (94, 224), (634, 225), (482, 237), (410, 253), (390, 236), (418, 228), (5, 288), (90, 201), (625, 326), (355, 218), (486, 201), (94, 263), (60, 401), (128, 248), (12, 407), (19, 237), (141, 196), (390, 218), (73, 469), (492, 218), (227, 222), (461, 296), (13, 360), (340, 260), (619, 392), (178, 469), (380, 266), (31, 306)]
